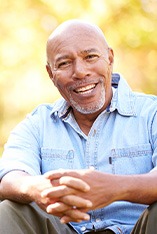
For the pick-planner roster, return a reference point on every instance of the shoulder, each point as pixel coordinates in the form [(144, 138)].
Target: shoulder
[(147, 100), (129, 102), (42, 108), (48, 108)]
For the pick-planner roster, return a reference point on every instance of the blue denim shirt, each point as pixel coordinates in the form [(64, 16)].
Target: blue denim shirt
[(122, 140)]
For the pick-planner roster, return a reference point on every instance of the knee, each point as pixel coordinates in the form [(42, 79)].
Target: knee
[(6, 211), (153, 208), (5, 203), (6, 206)]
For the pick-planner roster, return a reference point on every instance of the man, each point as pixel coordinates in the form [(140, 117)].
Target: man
[(90, 158)]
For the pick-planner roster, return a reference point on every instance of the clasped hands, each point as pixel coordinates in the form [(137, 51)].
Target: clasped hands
[(70, 193), (73, 193)]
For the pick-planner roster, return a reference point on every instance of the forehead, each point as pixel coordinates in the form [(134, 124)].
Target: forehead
[(76, 41)]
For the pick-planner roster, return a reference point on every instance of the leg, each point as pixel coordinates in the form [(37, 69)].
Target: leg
[(147, 223), (29, 219), (107, 231)]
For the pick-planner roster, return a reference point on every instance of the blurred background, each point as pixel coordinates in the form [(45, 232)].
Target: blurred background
[(130, 27)]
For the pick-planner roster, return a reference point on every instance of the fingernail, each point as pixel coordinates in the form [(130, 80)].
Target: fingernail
[(87, 188), (89, 204), (86, 217), (62, 221)]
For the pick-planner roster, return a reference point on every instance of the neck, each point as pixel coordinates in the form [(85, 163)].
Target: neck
[(85, 122)]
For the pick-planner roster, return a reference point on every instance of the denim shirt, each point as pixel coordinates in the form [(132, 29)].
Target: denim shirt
[(122, 140)]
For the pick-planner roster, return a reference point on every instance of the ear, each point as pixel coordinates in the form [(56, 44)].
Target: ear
[(49, 71), (111, 57)]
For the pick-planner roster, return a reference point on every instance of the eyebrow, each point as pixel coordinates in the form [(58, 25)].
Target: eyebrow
[(61, 58), (82, 52), (89, 51)]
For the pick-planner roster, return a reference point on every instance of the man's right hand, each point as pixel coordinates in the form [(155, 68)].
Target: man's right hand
[(23, 188)]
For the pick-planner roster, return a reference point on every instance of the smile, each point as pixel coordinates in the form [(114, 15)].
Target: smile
[(85, 89)]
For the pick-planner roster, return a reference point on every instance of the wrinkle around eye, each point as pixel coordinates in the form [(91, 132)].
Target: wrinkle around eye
[(64, 64), (92, 58)]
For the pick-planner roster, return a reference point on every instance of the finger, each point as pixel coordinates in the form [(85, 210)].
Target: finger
[(57, 207), (56, 174), (57, 192), (75, 216), (74, 183), (55, 182), (73, 200), (66, 219)]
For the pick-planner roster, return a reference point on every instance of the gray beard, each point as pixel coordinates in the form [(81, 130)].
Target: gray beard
[(94, 107)]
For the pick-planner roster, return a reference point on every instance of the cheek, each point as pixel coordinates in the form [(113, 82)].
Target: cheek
[(102, 67), (58, 79), (62, 77), (61, 82), (105, 72), (105, 68)]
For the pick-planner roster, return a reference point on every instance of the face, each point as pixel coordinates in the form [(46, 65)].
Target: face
[(80, 66)]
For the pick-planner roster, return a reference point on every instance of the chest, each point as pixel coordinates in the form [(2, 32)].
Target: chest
[(115, 144)]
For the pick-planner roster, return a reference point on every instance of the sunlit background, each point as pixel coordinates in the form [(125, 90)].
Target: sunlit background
[(130, 27)]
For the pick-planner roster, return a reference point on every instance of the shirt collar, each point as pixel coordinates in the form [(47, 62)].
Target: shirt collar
[(123, 100), (61, 108)]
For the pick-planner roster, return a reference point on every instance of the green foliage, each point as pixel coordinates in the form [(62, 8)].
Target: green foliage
[(129, 26)]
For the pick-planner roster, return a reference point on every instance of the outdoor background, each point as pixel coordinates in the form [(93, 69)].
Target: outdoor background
[(130, 27)]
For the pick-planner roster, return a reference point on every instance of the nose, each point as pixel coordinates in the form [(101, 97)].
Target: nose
[(80, 69)]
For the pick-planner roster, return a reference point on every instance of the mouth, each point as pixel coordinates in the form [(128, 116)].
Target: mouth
[(85, 89)]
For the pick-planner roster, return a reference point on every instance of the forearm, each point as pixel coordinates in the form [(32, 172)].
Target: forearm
[(139, 188), (22, 187), (12, 187)]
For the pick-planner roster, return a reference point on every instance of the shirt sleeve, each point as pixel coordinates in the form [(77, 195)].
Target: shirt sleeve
[(22, 150), (153, 139)]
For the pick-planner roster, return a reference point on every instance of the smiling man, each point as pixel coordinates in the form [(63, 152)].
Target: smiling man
[(80, 66), (88, 162)]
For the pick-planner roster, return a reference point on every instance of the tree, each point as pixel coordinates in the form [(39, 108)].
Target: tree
[(129, 26)]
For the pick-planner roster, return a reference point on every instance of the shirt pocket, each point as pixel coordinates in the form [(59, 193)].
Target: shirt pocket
[(132, 160), (53, 159)]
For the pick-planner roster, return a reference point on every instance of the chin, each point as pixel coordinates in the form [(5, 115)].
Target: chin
[(89, 109)]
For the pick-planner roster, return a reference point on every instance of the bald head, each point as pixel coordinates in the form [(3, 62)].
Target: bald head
[(74, 25), (75, 28)]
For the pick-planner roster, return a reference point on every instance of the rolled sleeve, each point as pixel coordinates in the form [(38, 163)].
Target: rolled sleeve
[(22, 151)]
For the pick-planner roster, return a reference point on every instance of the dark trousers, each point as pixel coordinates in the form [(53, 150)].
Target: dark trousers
[(16, 218), (147, 223), (102, 232)]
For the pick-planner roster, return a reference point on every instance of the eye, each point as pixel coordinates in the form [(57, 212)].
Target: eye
[(91, 57), (64, 64)]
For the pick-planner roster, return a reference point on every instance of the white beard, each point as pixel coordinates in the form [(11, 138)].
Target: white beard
[(94, 107)]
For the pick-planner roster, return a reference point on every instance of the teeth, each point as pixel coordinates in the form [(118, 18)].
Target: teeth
[(85, 88)]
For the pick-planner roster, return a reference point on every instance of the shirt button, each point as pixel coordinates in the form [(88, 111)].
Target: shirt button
[(83, 229), (111, 109), (98, 220), (91, 167)]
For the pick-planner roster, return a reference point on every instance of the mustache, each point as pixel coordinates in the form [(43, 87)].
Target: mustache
[(84, 82)]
